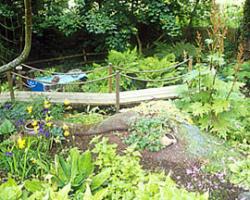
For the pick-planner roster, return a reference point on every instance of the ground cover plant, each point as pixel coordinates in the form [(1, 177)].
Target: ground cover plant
[(32, 173)]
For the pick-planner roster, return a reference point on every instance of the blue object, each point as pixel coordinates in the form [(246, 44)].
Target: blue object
[(63, 79)]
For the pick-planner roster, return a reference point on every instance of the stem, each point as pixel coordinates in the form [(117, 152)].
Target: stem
[(24, 164), (25, 160), (231, 89)]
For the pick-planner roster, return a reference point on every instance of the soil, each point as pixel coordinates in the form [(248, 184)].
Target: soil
[(185, 171)]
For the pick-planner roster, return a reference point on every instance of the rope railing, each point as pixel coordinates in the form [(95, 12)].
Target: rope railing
[(72, 83), (105, 67), (29, 78), (155, 80), (87, 82)]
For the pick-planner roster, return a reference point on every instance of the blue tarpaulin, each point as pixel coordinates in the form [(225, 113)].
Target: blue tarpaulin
[(63, 79)]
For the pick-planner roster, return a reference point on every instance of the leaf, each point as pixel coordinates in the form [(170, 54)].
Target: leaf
[(198, 109), (6, 127), (62, 170), (10, 190), (33, 185), (100, 194), (87, 195), (61, 194), (100, 178), (85, 164), (74, 156), (220, 105)]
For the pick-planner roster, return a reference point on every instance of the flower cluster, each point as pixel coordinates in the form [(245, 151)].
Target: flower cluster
[(66, 132), (67, 105)]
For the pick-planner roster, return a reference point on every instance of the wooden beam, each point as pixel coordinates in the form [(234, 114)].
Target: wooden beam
[(98, 99)]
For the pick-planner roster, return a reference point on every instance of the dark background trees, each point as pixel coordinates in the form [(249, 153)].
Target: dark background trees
[(246, 27), (63, 28)]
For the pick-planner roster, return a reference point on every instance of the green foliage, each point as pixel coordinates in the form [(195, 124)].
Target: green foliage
[(85, 119), (74, 170), (243, 75), (146, 133), (48, 72), (115, 23), (10, 190), (129, 181), (24, 161), (117, 176), (131, 63), (233, 15), (246, 19), (240, 173), (178, 49), (18, 110), (4, 87), (212, 110), (158, 186), (6, 127)]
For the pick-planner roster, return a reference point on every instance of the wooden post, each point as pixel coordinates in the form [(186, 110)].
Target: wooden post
[(84, 55), (20, 81), (10, 81), (117, 90), (190, 64), (110, 78)]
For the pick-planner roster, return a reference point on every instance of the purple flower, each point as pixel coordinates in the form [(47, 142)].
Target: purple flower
[(41, 128), (4, 180), (47, 134), (9, 154), (7, 106), (19, 122), (45, 111), (189, 171)]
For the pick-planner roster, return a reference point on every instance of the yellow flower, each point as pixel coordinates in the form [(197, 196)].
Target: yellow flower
[(48, 118), (36, 129), (66, 102), (66, 133), (190, 121), (49, 124), (21, 143), (33, 160), (65, 127), (29, 109), (34, 123), (46, 104)]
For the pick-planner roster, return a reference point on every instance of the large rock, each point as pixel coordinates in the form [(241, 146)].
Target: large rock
[(117, 122), (244, 196)]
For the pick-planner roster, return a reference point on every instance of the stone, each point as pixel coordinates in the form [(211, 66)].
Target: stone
[(244, 196)]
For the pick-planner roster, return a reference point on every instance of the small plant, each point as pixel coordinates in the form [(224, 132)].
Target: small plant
[(6, 128), (85, 119), (217, 106), (75, 170), (25, 157), (240, 173), (146, 133)]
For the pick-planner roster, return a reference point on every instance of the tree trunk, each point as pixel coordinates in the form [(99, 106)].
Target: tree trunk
[(28, 37)]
